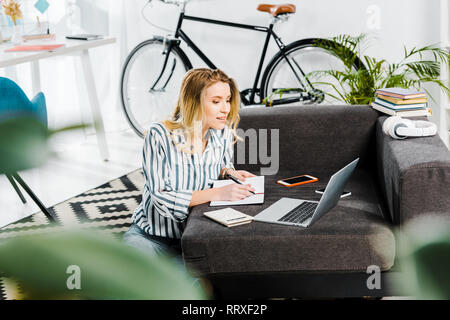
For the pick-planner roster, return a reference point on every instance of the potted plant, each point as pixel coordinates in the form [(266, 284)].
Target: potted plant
[(418, 67)]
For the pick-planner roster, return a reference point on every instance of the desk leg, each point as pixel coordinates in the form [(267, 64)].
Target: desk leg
[(11, 73), (95, 105), (35, 77)]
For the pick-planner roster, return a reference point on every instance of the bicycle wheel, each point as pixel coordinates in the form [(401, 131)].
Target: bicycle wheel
[(305, 55), (150, 83)]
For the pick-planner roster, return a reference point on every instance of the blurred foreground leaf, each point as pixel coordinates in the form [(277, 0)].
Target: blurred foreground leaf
[(23, 143), (109, 268), (425, 258)]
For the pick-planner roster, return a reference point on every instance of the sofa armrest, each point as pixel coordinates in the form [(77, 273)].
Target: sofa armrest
[(414, 175)]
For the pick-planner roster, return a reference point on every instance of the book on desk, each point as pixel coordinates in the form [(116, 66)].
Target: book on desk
[(35, 47)]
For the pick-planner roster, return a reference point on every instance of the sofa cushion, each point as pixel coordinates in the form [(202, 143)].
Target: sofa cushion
[(351, 237), (313, 137)]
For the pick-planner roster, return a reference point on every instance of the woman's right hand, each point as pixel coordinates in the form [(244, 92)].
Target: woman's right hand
[(234, 192)]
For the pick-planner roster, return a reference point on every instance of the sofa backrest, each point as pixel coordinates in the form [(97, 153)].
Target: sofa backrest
[(316, 138)]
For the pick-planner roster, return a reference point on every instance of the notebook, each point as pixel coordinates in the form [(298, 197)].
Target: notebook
[(405, 113), (401, 93), (40, 47), (85, 37), (399, 101), (394, 106), (229, 217), (256, 182)]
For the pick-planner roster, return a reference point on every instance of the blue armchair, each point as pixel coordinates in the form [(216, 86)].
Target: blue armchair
[(13, 102)]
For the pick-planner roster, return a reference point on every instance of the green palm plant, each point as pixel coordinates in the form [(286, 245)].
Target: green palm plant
[(418, 67)]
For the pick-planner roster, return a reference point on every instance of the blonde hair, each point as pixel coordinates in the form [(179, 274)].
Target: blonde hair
[(189, 112)]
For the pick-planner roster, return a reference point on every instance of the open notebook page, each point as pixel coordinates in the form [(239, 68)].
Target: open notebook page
[(256, 182)]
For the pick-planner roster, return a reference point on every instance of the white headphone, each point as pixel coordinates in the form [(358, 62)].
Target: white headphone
[(399, 128)]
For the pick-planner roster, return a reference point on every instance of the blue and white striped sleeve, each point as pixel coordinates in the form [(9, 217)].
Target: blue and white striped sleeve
[(228, 149), (167, 201)]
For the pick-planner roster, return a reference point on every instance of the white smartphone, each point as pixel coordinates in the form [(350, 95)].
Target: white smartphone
[(343, 195), (298, 180)]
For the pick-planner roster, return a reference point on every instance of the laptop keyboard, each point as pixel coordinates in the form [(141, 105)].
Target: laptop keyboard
[(300, 213)]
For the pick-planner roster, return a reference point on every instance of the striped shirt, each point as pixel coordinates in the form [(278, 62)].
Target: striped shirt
[(171, 176)]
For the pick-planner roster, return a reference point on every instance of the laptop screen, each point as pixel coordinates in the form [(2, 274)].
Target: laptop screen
[(333, 190)]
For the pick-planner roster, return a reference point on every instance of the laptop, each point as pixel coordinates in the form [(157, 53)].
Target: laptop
[(304, 213)]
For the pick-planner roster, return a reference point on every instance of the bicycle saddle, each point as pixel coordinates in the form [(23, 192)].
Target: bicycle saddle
[(276, 9)]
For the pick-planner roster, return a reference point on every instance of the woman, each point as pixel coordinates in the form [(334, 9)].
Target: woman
[(182, 155)]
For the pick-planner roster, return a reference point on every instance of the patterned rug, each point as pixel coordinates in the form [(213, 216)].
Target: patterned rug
[(107, 208)]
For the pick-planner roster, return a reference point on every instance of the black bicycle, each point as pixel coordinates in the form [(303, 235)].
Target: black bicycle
[(153, 71)]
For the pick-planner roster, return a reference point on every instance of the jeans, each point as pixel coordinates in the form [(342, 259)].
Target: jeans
[(154, 245)]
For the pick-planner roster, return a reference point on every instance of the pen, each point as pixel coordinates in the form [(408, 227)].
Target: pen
[(229, 176), (240, 218)]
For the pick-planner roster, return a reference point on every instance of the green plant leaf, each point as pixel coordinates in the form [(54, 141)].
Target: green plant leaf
[(359, 87), (424, 257), (23, 144), (425, 68), (109, 268), (70, 128)]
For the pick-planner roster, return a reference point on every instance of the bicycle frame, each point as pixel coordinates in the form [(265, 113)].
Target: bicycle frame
[(179, 33)]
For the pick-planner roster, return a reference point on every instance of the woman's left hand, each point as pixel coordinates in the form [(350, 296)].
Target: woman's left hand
[(241, 174)]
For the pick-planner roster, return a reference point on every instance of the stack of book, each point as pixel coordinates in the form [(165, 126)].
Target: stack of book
[(401, 102)]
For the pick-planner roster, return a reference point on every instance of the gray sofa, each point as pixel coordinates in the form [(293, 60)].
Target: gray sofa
[(394, 182)]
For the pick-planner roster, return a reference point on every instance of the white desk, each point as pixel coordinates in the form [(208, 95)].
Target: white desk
[(77, 47)]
